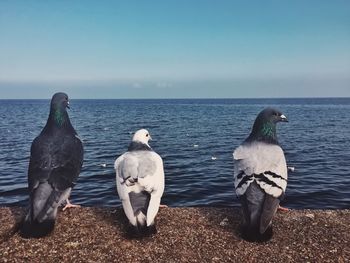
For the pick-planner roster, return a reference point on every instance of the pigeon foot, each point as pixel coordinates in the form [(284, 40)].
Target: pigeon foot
[(69, 205), (283, 209)]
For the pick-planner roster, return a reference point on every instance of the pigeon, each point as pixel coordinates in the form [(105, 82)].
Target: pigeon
[(140, 184), (260, 176), (56, 158)]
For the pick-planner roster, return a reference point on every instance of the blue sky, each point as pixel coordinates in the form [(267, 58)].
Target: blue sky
[(174, 49)]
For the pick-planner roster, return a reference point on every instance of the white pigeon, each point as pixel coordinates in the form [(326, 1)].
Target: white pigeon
[(260, 175), (140, 184)]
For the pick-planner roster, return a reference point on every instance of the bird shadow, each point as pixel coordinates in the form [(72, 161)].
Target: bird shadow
[(227, 219), (17, 215), (114, 218)]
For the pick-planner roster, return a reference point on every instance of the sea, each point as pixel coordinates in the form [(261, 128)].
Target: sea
[(195, 138)]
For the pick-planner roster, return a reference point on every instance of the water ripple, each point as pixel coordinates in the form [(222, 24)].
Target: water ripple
[(195, 138)]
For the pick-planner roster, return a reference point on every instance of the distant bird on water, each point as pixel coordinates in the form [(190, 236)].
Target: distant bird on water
[(140, 184), (55, 162), (260, 176)]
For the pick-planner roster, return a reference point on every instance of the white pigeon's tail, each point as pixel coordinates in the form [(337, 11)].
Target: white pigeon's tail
[(140, 203), (141, 229), (141, 219)]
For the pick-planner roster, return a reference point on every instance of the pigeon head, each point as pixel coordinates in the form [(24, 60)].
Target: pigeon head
[(270, 115), (60, 101), (264, 128), (58, 112), (142, 136)]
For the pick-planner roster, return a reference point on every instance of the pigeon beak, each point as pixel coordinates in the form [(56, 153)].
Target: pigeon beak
[(150, 138), (283, 118), (68, 105)]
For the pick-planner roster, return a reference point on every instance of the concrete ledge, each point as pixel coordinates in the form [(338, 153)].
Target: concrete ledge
[(184, 235)]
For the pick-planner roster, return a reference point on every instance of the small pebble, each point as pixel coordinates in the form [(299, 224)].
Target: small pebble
[(224, 222), (311, 216)]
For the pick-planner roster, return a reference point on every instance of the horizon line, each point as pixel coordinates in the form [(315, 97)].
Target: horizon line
[(197, 98)]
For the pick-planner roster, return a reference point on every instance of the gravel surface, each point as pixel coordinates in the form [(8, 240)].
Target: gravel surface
[(184, 235)]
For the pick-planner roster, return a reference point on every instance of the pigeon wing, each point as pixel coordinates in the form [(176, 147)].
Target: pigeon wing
[(123, 181), (67, 163), (156, 187), (53, 169), (263, 163)]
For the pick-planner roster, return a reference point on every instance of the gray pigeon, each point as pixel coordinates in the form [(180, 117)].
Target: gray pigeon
[(260, 174), (55, 163), (140, 184)]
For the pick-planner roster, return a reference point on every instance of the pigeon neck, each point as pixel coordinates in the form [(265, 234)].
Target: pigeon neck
[(265, 132), (60, 117), (138, 146), (58, 120)]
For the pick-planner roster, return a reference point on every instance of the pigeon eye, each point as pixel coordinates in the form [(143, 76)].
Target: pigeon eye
[(147, 135)]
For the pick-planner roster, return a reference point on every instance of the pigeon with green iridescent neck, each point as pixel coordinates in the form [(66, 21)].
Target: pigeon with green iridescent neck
[(260, 176), (55, 163)]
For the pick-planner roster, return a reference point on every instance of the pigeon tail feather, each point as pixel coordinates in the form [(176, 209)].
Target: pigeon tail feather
[(141, 219)]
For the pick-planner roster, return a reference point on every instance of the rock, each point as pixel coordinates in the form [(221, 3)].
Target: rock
[(311, 216), (224, 222)]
